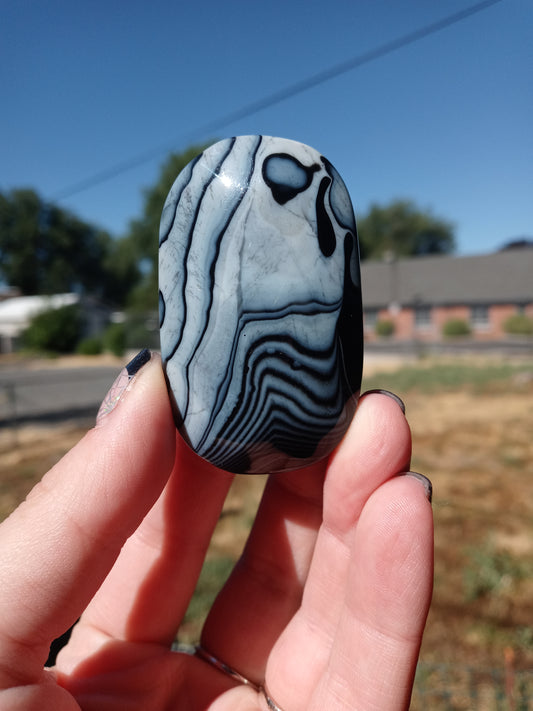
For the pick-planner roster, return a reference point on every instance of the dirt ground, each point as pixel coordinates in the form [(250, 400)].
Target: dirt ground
[(478, 451), (477, 447)]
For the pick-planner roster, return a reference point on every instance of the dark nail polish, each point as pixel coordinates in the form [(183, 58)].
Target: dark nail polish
[(380, 391), (426, 483), (137, 363)]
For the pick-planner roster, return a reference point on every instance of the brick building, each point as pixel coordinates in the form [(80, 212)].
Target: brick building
[(420, 294)]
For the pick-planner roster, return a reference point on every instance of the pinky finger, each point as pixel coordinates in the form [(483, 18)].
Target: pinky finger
[(375, 651)]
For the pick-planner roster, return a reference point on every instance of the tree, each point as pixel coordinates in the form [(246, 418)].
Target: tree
[(45, 249), (144, 231), (121, 271), (517, 243), (401, 229), (54, 330)]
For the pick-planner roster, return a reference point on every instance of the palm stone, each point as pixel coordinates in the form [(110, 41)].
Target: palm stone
[(260, 305)]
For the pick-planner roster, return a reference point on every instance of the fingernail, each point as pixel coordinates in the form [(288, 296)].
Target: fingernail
[(426, 483), (124, 378), (388, 393)]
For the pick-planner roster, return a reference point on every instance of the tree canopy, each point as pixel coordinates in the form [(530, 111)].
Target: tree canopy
[(143, 233), (45, 250), (401, 229)]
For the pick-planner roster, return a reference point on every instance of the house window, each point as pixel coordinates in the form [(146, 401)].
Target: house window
[(422, 317), (479, 316), (370, 318)]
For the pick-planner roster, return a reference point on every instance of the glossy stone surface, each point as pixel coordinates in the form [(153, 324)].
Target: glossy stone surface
[(260, 304)]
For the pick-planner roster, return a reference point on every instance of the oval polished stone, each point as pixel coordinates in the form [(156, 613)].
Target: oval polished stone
[(260, 305)]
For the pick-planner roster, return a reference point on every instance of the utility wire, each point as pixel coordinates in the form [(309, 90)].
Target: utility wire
[(277, 97)]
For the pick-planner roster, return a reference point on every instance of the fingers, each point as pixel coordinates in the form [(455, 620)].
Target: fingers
[(375, 449), (264, 591), (377, 640), (368, 659), (146, 594), (58, 546)]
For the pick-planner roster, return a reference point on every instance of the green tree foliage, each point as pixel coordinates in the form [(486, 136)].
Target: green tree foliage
[(121, 271), (142, 239), (45, 250), (114, 339), (402, 230), (54, 330), (92, 345)]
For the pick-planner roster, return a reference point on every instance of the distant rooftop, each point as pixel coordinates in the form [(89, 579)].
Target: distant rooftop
[(502, 277)]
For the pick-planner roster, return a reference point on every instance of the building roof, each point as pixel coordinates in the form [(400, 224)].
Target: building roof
[(498, 278), (16, 313)]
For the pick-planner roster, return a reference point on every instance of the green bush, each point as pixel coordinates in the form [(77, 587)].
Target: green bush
[(142, 329), (456, 327), (54, 330), (518, 324), (384, 328), (90, 346), (114, 339)]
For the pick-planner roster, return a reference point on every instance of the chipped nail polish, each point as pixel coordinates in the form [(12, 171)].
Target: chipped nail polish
[(121, 383)]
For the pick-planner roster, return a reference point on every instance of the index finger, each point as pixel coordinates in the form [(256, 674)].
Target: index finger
[(58, 546)]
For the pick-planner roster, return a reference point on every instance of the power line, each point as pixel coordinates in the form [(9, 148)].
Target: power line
[(277, 97)]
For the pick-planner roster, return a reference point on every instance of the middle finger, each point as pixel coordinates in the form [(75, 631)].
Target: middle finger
[(265, 588)]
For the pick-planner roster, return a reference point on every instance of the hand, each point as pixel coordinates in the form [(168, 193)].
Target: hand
[(327, 603)]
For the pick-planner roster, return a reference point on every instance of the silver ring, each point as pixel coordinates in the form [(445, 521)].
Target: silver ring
[(225, 668), (272, 705)]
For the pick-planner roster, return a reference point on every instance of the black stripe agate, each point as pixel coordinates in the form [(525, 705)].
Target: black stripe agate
[(260, 305)]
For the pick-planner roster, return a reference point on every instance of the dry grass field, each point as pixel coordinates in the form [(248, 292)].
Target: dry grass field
[(472, 424)]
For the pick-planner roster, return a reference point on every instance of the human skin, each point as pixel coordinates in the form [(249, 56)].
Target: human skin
[(326, 606)]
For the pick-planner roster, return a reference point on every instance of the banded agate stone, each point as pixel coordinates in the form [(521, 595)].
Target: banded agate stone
[(260, 305)]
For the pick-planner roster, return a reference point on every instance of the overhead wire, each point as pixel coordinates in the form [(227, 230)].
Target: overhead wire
[(211, 127)]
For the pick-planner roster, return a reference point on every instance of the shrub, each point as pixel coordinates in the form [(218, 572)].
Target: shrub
[(384, 328), (142, 329), (519, 324), (90, 346), (114, 339), (456, 327), (54, 330)]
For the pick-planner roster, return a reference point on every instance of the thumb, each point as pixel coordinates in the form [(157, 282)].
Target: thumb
[(58, 546)]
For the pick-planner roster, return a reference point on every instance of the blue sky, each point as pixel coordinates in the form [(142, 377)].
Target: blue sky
[(446, 121)]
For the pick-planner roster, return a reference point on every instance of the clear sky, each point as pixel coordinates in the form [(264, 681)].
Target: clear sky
[(446, 121)]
